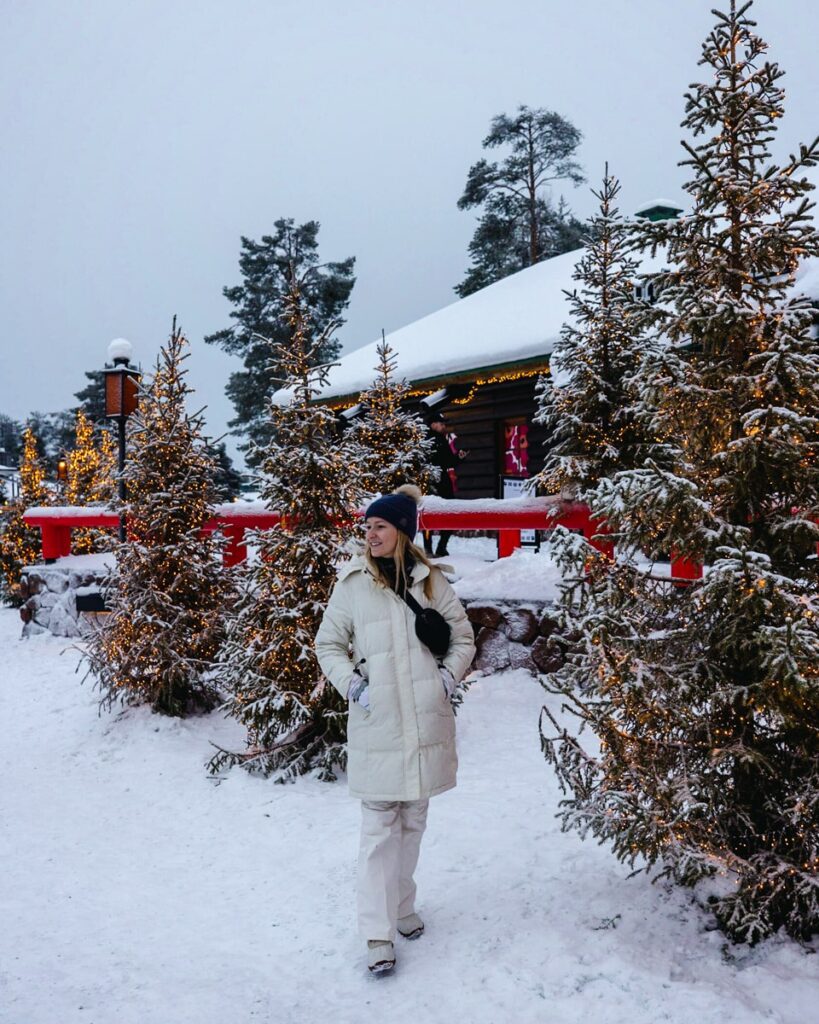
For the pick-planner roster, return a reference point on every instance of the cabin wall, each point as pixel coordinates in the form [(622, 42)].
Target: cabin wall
[(479, 426)]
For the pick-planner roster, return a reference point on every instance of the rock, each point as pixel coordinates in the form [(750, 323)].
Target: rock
[(57, 581), (484, 615), (547, 624), (62, 622), (34, 583), (493, 650), (33, 629), (47, 599), (546, 654), (520, 656), (520, 625), (25, 614), (23, 587)]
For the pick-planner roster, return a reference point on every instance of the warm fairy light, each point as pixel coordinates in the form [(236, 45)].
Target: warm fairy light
[(20, 543), (168, 593), (295, 720), (479, 382), (706, 700), (90, 479), (395, 441)]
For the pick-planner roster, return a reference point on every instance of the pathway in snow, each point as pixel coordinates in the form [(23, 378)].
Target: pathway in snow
[(133, 890)]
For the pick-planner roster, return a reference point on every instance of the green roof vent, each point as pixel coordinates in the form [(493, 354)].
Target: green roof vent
[(659, 209)]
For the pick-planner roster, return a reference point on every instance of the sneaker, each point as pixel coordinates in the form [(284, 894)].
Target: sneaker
[(411, 926), (380, 956)]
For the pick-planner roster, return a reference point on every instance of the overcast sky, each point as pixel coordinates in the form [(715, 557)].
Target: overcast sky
[(141, 139)]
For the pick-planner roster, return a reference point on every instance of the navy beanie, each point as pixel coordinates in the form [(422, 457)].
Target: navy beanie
[(399, 509)]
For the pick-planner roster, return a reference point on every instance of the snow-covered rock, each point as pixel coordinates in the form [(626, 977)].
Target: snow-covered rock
[(51, 594)]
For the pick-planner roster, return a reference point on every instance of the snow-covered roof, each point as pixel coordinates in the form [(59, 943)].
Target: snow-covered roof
[(658, 204), (511, 321), (515, 320)]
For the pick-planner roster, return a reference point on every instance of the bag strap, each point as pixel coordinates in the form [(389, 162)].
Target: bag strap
[(414, 605)]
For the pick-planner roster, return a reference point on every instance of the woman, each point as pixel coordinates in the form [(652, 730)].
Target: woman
[(401, 726)]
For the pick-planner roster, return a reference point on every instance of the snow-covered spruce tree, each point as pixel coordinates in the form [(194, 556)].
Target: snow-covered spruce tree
[(20, 543), (296, 721), (168, 591), (91, 466), (588, 405), (396, 443), (706, 700)]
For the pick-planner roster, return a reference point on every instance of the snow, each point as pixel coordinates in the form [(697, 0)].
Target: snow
[(476, 506), (807, 278), (664, 204), (523, 576), (67, 511), (100, 561), (134, 889), (120, 348), (514, 319), (241, 507)]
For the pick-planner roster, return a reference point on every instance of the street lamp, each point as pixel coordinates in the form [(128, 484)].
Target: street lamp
[(62, 471), (121, 390)]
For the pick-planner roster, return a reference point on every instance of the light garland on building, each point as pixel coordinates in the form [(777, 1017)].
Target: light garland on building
[(479, 382)]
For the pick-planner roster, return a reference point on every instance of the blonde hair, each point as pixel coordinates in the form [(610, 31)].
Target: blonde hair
[(403, 547)]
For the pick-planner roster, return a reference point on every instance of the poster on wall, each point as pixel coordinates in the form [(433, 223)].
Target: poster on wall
[(515, 487)]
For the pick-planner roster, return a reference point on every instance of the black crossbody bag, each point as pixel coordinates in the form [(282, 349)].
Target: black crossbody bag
[(431, 627)]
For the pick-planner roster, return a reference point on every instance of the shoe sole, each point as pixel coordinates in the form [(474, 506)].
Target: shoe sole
[(412, 935), (382, 968)]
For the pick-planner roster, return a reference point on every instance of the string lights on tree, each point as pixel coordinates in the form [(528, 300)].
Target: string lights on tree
[(295, 719), (167, 593), (19, 543), (591, 412), (705, 701), (90, 479), (396, 442)]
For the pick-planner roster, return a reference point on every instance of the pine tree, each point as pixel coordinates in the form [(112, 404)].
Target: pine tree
[(259, 316), (227, 482), (11, 440), (92, 396), (520, 225), (396, 443), (20, 544), (168, 591), (706, 701), (90, 479), (54, 433), (590, 411), (296, 720)]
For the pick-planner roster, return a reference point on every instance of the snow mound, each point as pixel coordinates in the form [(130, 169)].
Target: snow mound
[(523, 576)]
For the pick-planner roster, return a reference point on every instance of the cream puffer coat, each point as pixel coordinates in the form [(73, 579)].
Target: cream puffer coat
[(403, 748)]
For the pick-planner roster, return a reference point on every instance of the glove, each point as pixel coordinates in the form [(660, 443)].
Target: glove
[(448, 681), (359, 691)]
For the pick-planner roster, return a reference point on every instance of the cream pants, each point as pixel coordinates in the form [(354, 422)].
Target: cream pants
[(391, 835)]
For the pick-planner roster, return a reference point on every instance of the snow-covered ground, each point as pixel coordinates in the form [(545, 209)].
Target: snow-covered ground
[(135, 890)]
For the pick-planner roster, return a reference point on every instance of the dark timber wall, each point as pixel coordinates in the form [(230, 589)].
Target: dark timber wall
[(479, 426)]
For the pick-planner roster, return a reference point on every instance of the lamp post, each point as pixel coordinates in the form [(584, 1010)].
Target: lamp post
[(62, 474), (121, 389)]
